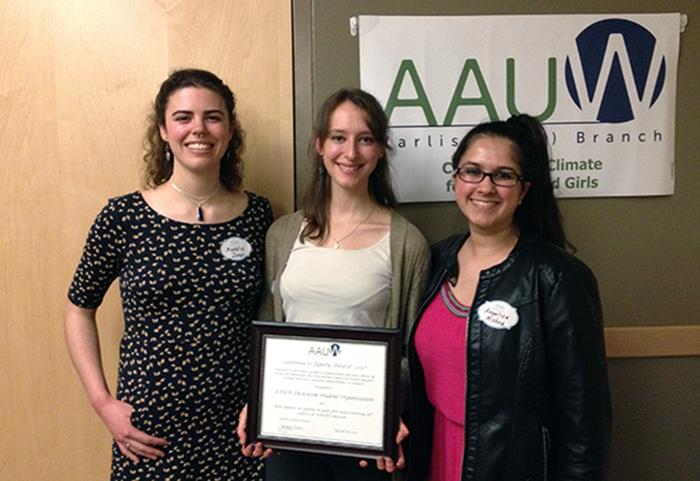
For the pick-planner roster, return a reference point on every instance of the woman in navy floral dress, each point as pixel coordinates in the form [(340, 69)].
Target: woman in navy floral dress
[(188, 252)]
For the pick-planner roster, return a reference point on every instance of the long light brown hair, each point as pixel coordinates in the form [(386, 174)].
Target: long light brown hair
[(316, 198)]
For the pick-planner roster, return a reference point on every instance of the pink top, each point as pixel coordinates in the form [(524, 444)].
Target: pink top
[(441, 343)]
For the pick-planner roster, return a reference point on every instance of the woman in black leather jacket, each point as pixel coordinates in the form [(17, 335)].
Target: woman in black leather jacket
[(508, 367)]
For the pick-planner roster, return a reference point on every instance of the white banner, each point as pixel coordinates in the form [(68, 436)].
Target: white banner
[(604, 86)]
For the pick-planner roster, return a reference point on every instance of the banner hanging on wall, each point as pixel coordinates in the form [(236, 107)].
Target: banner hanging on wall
[(604, 86)]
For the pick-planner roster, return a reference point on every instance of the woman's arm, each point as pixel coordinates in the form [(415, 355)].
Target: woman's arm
[(278, 245), (578, 365), (84, 348), (411, 265)]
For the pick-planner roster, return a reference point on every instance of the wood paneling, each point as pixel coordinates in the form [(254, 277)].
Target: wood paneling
[(76, 80), (249, 46), (655, 341)]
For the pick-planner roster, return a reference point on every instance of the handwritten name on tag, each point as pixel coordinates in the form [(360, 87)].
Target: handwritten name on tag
[(235, 249), (498, 314)]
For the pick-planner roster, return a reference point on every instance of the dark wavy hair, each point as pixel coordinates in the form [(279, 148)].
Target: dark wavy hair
[(538, 216), (315, 201), (157, 170)]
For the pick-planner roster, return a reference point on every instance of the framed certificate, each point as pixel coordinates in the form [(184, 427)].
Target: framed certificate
[(324, 389)]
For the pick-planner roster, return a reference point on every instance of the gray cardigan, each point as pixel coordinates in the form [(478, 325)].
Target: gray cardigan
[(410, 266)]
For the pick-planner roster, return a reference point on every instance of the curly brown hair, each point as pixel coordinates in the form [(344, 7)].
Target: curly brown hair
[(157, 170)]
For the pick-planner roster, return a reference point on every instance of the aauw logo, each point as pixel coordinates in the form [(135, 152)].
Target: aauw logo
[(619, 73), (333, 350)]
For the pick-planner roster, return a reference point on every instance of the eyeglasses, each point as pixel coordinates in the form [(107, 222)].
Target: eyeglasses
[(474, 175)]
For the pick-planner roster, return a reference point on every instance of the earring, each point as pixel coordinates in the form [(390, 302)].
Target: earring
[(168, 154), (321, 170)]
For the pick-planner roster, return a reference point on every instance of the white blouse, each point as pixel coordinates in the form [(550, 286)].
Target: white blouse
[(322, 285)]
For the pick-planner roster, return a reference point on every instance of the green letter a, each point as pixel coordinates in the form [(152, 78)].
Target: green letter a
[(457, 99), (422, 99)]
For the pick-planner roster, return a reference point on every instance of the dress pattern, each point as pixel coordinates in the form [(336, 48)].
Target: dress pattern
[(188, 294)]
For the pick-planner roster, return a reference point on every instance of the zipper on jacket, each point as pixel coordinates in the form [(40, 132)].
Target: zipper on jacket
[(545, 451), (466, 390)]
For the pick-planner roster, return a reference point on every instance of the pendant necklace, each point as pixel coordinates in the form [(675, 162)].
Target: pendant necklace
[(338, 241), (198, 201)]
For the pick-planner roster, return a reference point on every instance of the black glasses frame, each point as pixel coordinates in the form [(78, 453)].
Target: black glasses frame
[(457, 173)]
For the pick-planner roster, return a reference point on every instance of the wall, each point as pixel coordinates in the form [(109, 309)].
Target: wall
[(76, 80), (643, 250)]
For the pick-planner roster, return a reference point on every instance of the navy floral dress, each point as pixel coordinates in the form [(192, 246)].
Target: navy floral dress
[(188, 293)]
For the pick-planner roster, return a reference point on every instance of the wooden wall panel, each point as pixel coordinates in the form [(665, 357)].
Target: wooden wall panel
[(652, 341), (245, 44), (76, 80)]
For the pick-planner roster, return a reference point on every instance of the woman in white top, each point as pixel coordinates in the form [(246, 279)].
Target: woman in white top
[(345, 258)]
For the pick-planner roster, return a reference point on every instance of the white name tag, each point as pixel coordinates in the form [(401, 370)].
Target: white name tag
[(498, 314), (235, 248)]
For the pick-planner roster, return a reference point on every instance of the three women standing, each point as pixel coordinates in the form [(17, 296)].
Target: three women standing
[(188, 252), (508, 367), (507, 360)]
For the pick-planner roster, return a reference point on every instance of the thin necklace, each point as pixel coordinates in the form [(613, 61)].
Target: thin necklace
[(338, 241), (198, 201)]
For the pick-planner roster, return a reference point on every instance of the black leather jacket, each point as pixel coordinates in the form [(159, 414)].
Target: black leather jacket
[(537, 400)]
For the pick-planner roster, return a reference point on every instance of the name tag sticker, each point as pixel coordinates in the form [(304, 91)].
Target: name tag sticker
[(498, 314), (235, 249)]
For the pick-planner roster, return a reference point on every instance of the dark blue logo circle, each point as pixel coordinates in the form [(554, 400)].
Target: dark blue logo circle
[(608, 69)]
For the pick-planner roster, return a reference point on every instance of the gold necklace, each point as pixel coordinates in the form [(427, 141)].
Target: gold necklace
[(338, 241), (198, 201)]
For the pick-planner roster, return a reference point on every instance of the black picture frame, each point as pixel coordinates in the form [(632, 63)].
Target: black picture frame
[(390, 339)]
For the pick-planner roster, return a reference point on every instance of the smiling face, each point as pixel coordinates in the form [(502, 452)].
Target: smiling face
[(350, 152), (489, 208), (197, 128)]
